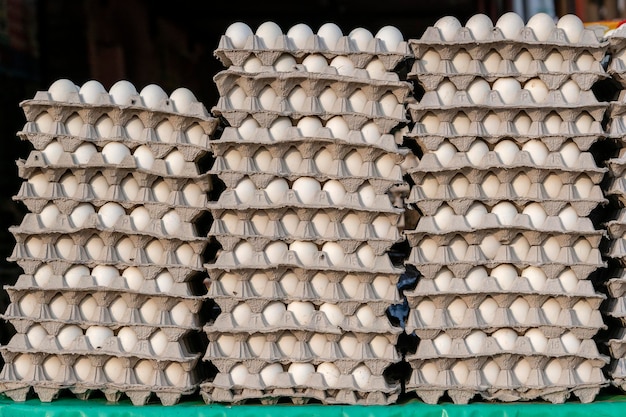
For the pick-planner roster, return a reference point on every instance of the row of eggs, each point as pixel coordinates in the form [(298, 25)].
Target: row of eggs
[(150, 310), (490, 186), (134, 129), (551, 249), (507, 340), (510, 91), (307, 190), (323, 160), (506, 275), (274, 312), (114, 369), (507, 151), (490, 371), (511, 24), (457, 311), (494, 124), (319, 343), (300, 372), (308, 126), (306, 252), (492, 61), (351, 224), (299, 34), (507, 215), (121, 93), (299, 101), (319, 283), (317, 63), (115, 152), (125, 249), (99, 187), (108, 215)]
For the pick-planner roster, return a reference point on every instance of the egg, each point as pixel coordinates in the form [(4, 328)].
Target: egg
[(65, 246), (391, 37), (429, 372), (361, 38), (330, 372), (270, 372), (553, 371), (505, 212), (554, 61), (51, 366), (192, 193), (508, 88), (267, 96), (448, 27), (490, 371), (97, 335), (571, 93), (84, 152), (122, 91), (507, 151), (140, 218), (443, 343), (49, 215), (475, 341), (327, 99), (474, 281), (68, 334), (537, 151), (309, 126), (83, 368), (300, 372), (481, 26), (505, 275), (58, 305), (456, 310), (238, 34), (251, 64), (330, 33), (62, 90), (537, 89), (44, 122), (478, 91), (446, 92), (376, 69), (366, 256), (362, 375), (510, 24), (585, 371), (570, 342), (276, 189), (144, 372), (538, 340), (519, 308), (290, 222), (521, 185), (570, 153), (489, 246), (284, 63), (307, 189), (585, 61), (299, 35), (134, 128), (53, 152), (279, 127), (335, 190), (333, 313), (275, 252), (315, 63), (118, 309), (343, 65), (91, 92), (181, 314), (104, 274), (245, 190), (568, 280), (431, 60), (35, 335), (109, 214), (491, 61), (103, 127), (522, 371), (584, 312), (542, 25), (302, 311), (236, 97), (506, 338), (74, 125), (477, 150), (584, 123), (269, 32), (164, 131), (370, 132), (382, 225), (475, 214), (114, 152), (568, 217), (426, 311), (153, 96), (158, 342), (491, 123), (460, 371), (552, 184), (535, 276), (74, 274), (443, 217), (522, 62), (461, 61), (114, 370)]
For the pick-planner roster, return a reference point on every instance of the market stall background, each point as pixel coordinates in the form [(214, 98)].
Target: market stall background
[(153, 42)]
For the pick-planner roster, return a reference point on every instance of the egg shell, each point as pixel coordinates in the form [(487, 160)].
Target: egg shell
[(122, 91), (477, 150), (309, 126), (53, 152), (335, 190), (74, 274), (68, 334), (49, 215), (114, 152), (343, 64), (508, 88), (522, 62), (481, 26), (446, 92), (522, 370), (149, 311), (461, 61), (35, 335), (460, 371), (491, 61), (448, 27), (62, 89), (307, 189), (370, 132), (333, 313), (327, 99), (300, 372), (338, 127), (153, 96), (430, 60), (535, 276), (553, 371), (330, 372), (315, 63), (457, 309), (118, 309), (270, 372), (238, 33), (44, 122), (144, 371), (245, 190), (330, 33), (362, 375), (475, 341), (491, 370), (538, 90), (478, 90), (269, 32), (443, 343), (252, 64), (505, 212), (22, 364), (97, 335), (43, 274), (74, 125), (376, 70), (276, 189), (180, 314), (104, 274), (554, 61), (510, 24), (284, 63), (542, 25), (299, 34), (302, 311)]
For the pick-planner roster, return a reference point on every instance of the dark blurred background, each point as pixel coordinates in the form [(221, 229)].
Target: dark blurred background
[(171, 43)]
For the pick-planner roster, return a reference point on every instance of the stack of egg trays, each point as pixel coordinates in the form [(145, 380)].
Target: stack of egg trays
[(617, 63), (617, 249), (353, 285), (454, 248), (140, 306)]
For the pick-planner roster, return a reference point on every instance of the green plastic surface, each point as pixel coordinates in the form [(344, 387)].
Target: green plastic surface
[(606, 406)]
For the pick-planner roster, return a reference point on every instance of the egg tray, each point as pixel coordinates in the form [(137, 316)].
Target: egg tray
[(616, 307), (19, 389), (254, 46), (229, 200), (432, 38), (227, 260), (616, 284), (554, 102), (271, 352), (429, 141), (585, 165), (617, 344), (617, 373), (109, 255), (446, 70), (307, 229), (160, 167), (507, 386), (103, 313), (222, 390), (261, 138), (618, 188), (490, 224)]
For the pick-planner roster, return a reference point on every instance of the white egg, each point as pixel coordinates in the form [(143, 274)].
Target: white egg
[(542, 25), (481, 26), (103, 127), (506, 338), (553, 184), (273, 312), (97, 335), (175, 162), (134, 128), (475, 214), (585, 371), (343, 65), (278, 128), (58, 305), (164, 131), (460, 371), (315, 63), (182, 98), (475, 278), (109, 214), (568, 217), (570, 342), (134, 278), (330, 372), (443, 217), (535, 276), (327, 99), (354, 162), (443, 343), (153, 96), (307, 189), (358, 100), (446, 92), (51, 366), (62, 89), (44, 122), (335, 190), (475, 341), (104, 274), (158, 342), (118, 309), (293, 160), (553, 371), (478, 91), (431, 60), (269, 32), (302, 311), (267, 96), (276, 189), (181, 314), (491, 370), (506, 151), (505, 212), (426, 311), (376, 69), (551, 310), (299, 35), (122, 91), (522, 370), (522, 61), (491, 123), (444, 153), (461, 61), (237, 97), (490, 246), (192, 193), (584, 123), (366, 256), (583, 311), (510, 24), (114, 370), (251, 64), (371, 132), (74, 274), (53, 152), (73, 124), (505, 275), (275, 252), (508, 88), (538, 340), (362, 375), (361, 38), (537, 89), (333, 313), (582, 248), (338, 127), (130, 187), (456, 310), (554, 61), (448, 27), (84, 152), (491, 61), (35, 335), (270, 372), (585, 61), (140, 218), (39, 183), (537, 150), (476, 152), (382, 225), (245, 190), (570, 154), (568, 280), (390, 36), (571, 93), (309, 126), (144, 372), (185, 254), (238, 34), (284, 63), (83, 368), (330, 34), (114, 152), (49, 215), (519, 308), (68, 334), (300, 372), (155, 251), (91, 92), (290, 222)]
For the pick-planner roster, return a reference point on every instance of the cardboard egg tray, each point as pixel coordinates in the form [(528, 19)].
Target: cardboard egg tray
[(583, 381), (254, 46), (617, 67), (127, 381)]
